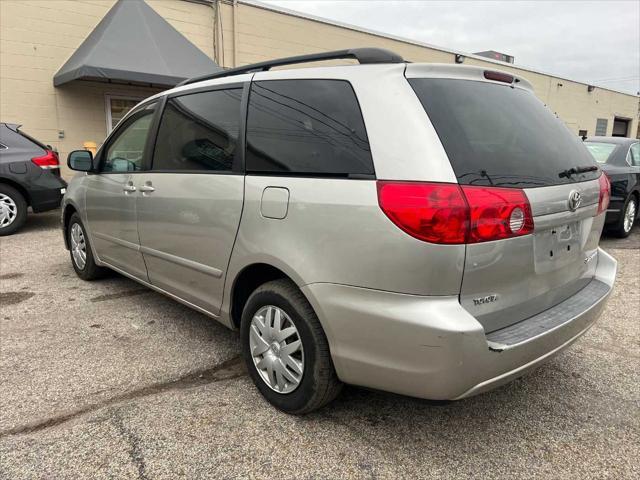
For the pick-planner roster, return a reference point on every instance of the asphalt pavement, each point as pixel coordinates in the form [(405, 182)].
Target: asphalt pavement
[(108, 379)]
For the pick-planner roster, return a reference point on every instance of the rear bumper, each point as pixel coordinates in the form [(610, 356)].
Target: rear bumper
[(46, 190), (45, 200), (430, 347)]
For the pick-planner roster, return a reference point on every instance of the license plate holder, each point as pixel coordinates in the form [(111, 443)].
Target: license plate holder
[(557, 247)]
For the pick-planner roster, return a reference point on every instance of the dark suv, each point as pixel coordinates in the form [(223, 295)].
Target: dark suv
[(29, 177)]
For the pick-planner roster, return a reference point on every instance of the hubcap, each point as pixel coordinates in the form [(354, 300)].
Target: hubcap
[(629, 215), (78, 246), (276, 349), (8, 210)]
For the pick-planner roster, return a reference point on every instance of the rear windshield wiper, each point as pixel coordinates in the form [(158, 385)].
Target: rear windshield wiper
[(576, 170)]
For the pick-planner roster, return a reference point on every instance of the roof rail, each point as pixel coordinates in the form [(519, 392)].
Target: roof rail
[(362, 55)]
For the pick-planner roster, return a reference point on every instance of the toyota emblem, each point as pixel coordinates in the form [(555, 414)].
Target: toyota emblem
[(575, 199)]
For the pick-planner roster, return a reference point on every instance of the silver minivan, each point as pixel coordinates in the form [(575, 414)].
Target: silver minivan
[(430, 230)]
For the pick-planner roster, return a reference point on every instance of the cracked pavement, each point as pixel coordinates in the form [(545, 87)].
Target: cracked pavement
[(111, 380)]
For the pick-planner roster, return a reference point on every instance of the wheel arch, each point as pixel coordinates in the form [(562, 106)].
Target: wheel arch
[(246, 281), (20, 188), (69, 209)]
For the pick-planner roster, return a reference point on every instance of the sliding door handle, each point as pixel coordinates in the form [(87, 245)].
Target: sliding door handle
[(129, 188), (147, 188)]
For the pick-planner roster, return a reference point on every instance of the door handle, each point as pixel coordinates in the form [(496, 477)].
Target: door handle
[(147, 187), (129, 188)]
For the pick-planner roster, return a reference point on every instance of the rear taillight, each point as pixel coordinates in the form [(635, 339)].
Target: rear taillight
[(450, 214), (47, 161), (497, 213), (605, 193), (433, 212)]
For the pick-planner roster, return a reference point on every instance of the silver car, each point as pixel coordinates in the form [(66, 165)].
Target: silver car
[(430, 230)]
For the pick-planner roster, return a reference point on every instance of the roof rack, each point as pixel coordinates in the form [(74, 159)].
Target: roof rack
[(362, 55)]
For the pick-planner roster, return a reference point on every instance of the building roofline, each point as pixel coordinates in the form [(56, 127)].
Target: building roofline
[(335, 23)]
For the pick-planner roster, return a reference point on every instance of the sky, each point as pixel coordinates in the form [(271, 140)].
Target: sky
[(594, 42)]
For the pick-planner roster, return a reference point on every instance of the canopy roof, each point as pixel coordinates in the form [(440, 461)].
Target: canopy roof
[(133, 44)]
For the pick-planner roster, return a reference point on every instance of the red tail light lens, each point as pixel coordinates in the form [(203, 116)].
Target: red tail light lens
[(47, 161), (605, 193), (446, 213), (497, 213), (433, 212)]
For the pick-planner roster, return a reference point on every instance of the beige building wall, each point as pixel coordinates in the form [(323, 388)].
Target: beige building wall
[(38, 36), (36, 39), (263, 33)]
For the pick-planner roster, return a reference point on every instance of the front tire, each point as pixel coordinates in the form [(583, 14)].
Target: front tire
[(285, 349), (80, 250), (624, 225), (13, 210)]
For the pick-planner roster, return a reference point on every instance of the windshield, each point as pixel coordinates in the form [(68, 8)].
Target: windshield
[(600, 151), (500, 135)]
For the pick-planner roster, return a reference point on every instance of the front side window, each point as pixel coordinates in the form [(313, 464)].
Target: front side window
[(635, 154), (306, 127), (199, 132), (125, 152)]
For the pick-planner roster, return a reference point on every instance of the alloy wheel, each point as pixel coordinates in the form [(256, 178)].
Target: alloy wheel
[(78, 246), (8, 210), (276, 349), (629, 216)]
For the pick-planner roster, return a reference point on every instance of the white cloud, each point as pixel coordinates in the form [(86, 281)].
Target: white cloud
[(596, 42)]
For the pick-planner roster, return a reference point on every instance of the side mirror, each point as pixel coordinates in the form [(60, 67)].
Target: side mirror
[(80, 160)]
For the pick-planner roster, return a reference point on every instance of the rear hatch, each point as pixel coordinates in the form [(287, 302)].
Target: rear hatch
[(499, 135)]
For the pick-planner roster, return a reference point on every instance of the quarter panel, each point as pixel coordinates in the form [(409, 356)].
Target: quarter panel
[(335, 232)]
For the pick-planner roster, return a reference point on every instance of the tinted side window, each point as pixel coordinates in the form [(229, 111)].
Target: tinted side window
[(125, 151), (306, 127), (199, 132)]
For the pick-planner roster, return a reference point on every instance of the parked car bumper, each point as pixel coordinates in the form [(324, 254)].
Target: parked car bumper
[(431, 347), (46, 191), (615, 210)]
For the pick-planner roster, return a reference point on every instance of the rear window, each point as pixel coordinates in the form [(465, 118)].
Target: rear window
[(499, 135), (33, 140), (306, 128), (600, 151)]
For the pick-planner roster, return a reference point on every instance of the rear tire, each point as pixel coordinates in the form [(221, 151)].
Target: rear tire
[(279, 305), (624, 225), (13, 210), (80, 251)]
